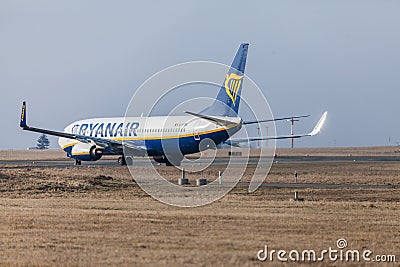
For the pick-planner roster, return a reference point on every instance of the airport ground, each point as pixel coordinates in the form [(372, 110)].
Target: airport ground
[(56, 214)]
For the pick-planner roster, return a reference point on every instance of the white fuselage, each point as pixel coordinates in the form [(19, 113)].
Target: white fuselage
[(141, 131)]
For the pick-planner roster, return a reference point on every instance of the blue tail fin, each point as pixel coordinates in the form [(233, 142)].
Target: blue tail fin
[(228, 99)]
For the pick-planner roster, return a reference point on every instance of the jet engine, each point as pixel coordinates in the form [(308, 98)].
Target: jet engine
[(86, 152)]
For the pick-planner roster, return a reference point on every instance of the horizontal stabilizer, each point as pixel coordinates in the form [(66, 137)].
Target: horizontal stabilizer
[(219, 121)]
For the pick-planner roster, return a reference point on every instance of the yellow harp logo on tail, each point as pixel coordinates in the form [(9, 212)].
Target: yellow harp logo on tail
[(232, 85)]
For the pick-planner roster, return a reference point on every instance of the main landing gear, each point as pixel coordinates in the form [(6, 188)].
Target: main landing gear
[(78, 162), (123, 161)]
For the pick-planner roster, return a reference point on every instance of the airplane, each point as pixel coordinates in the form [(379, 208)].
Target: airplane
[(90, 139)]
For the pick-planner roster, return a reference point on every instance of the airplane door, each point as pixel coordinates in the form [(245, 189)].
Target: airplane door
[(196, 135), (196, 131)]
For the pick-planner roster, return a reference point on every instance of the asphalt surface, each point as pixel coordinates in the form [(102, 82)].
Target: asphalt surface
[(217, 161)]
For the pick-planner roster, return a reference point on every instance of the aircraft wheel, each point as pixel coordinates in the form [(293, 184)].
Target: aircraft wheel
[(121, 161), (78, 162), (129, 161)]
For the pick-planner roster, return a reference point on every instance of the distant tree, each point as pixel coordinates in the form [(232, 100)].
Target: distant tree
[(43, 142)]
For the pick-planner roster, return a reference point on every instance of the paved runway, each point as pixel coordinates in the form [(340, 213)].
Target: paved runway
[(218, 161)]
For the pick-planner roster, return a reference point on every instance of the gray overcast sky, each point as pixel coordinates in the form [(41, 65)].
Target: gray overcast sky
[(79, 59)]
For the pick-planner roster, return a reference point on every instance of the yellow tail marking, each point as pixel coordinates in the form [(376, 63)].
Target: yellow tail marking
[(232, 85)]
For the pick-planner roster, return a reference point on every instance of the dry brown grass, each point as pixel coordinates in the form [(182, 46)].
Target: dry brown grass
[(35, 155), (32, 155), (90, 216)]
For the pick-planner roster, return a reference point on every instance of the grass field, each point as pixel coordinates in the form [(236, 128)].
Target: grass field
[(90, 216)]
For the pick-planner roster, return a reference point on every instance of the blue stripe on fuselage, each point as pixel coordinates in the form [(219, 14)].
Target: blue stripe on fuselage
[(187, 145)]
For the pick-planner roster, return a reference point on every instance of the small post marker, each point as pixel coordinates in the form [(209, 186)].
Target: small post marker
[(201, 181), (296, 193), (219, 177), (183, 180), (296, 197)]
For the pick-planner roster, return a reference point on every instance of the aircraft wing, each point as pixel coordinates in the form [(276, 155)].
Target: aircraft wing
[(117, 146), (315, 131), (278, 119)]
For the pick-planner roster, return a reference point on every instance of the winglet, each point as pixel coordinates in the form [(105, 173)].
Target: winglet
[(22, 123), (319, 125)]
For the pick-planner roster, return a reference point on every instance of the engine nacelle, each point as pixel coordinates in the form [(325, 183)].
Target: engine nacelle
[(86, 152)]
